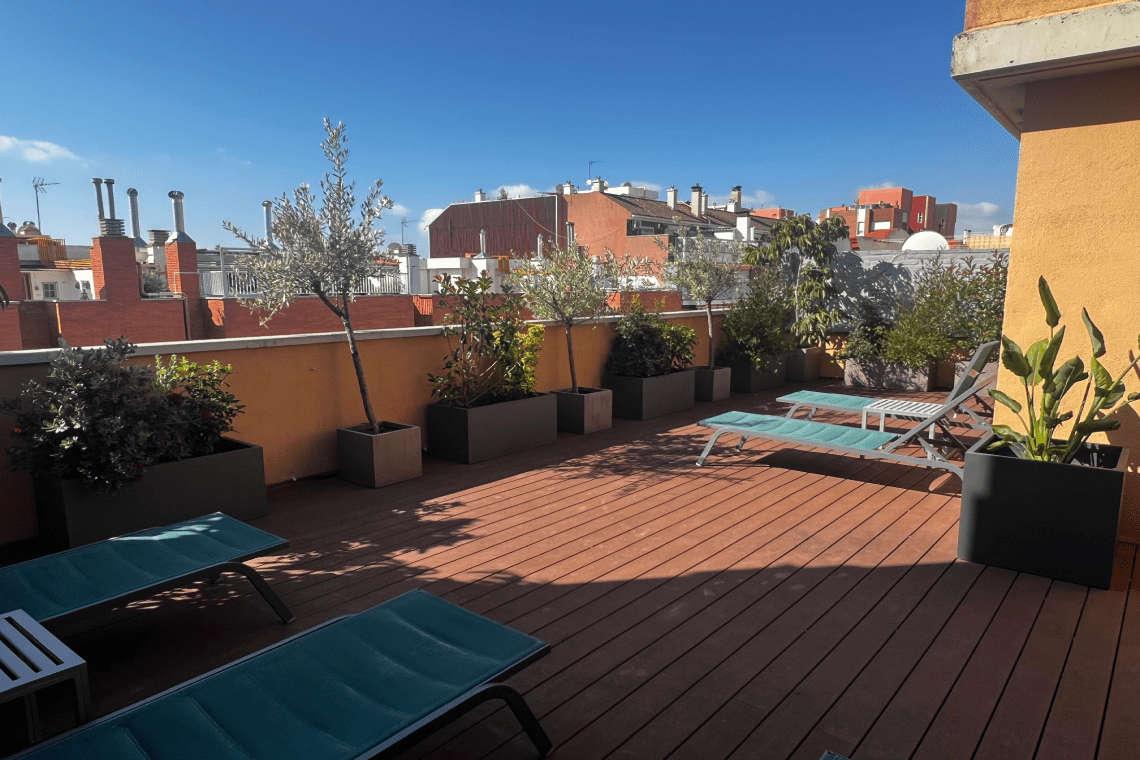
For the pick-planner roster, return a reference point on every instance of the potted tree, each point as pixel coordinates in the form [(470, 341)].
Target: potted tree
[(806, 248), (707, 272), (488, 406), (1039, 500), (114, 448), (571, 287), (756, 342), (328, 253), (648, 366)]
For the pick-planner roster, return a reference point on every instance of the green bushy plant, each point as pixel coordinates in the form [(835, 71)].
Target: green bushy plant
[(645, 345), (754, 328), (492, 352), (867, 341), (103, 422)]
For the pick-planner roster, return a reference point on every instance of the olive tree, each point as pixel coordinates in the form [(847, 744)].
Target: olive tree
[(568, 285), (707, 272), (324, 251)]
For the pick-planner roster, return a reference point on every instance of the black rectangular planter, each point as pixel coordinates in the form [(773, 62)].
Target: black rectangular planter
[(880, 374), (712, 383), (231, 480), (748, 379), (495, 430), (802, 364), (642, 398), (1055, 520), (376, 460), (587, 411)]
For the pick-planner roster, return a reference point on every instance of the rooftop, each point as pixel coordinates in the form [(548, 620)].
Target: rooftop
[(772, 604)]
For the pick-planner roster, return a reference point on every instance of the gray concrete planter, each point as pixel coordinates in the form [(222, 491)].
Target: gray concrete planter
[(879, 374), (1055, 520), (642, 398), (747, 379), (231, 480), (712, 383), (802, 364), (587, 411), (376, 460), (495, 430)]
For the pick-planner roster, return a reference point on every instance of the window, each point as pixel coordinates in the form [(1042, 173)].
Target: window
[(905, 215), (859, 231), (918, 217), (569, 233), (49, 290)]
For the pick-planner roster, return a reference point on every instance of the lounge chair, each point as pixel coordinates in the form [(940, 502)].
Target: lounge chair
[(362, 686), (852, 440), (893, 407), (111, 573)]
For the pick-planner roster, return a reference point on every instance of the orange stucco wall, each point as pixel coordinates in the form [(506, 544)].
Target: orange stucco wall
[(982, 13), (297, 395), (1079, 170)]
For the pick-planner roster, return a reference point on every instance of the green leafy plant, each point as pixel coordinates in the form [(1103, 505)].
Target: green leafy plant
[(491, 356), (754, 328), (572, 287), (917, 340), (706, 273), (867, 341), (1046, 388), (645, 345), (103, 422), (809, 248)]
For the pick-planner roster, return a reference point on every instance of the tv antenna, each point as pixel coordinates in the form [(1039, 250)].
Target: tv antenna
[(590, 169), (38, 185), (403, 224)]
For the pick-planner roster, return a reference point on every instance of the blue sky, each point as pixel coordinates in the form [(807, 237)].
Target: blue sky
[(800, 103)]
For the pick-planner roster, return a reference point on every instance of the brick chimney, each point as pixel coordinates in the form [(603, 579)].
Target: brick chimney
[(737, 196), (113, 265), (182, 269)]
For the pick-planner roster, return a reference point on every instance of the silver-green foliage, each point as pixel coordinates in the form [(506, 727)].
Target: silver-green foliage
[(706, 273), (1046, 387), (325, 251), (568, 285)]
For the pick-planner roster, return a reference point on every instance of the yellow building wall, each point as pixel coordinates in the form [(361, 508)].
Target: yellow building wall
[(983, 13), (1078, 185)]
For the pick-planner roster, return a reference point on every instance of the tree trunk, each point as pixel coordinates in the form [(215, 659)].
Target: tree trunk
[(570, 349), (347, 320), (712, 337)]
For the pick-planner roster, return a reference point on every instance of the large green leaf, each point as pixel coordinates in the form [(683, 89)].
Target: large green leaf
[(1049, 355), (1100, 376), (1005, 399), (1095, 334), (1052, 312), (1033, 355), (1014, 359), (1102, 425)]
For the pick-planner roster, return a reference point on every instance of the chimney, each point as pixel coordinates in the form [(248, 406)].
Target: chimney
[(134, 196), (4, 229), (480, 196), (109, 226), (704, 203), (483, 243), (695, 200), (268, 206), (737, 197), (568, 188), (99, 195), (671, 197), (180, 235)]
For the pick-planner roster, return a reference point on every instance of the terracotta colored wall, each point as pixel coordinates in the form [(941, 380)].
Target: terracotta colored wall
[(981, 13), (601, 224), (228, 318), (297, 395), (89, 323), (1080, 164)]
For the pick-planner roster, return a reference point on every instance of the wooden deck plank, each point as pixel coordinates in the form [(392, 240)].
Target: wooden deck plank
[(1120, 734)]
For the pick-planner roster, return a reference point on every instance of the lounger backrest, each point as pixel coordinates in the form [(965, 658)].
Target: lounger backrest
[(336, 692), (980, 383), (974, 369)]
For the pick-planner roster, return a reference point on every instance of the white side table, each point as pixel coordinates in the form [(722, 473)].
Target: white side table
[(30, 659)]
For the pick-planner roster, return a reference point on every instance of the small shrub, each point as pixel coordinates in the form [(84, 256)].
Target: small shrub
[(645, 345), (755, 328), (867, 341), (202, 408), (153, 282)]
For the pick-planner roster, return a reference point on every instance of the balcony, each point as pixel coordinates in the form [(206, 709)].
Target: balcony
[(772, 604)]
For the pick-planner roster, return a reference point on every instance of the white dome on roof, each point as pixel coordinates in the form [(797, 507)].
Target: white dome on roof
[(927, 240)]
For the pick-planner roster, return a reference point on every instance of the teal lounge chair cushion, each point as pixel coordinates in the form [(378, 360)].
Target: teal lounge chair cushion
[(807, 398), (331, 694), (61, 583), (801, 430)]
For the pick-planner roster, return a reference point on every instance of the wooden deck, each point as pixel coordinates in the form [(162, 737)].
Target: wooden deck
[(772, 604)]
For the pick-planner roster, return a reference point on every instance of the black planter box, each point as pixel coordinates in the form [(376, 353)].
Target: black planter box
[(1055, 520), (642, 398), (802, 364), (587, 411), (878, 374), (712, 383), (376, 460), (748, 379), (231, 480), (495, 430)]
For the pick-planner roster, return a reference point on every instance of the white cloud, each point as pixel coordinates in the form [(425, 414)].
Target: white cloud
[(646, 185), (980, 217), (755, 199), (879, 186), (515, 191), (430, 215), (35, 151), (398, 209)]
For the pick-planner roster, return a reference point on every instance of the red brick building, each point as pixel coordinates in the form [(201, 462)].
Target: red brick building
[(879, 212)]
